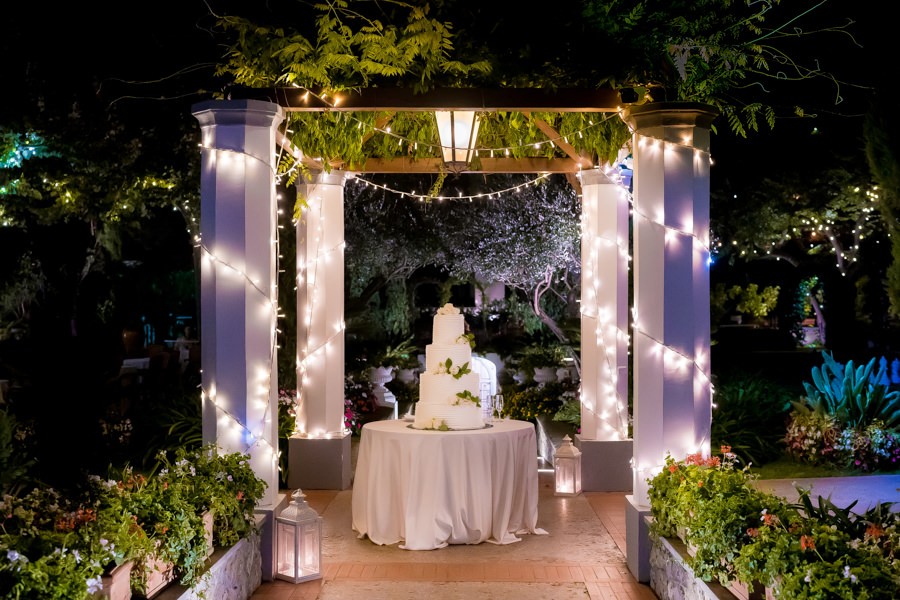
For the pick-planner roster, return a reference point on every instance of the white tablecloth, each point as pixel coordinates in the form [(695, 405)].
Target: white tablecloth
[(427, 489)]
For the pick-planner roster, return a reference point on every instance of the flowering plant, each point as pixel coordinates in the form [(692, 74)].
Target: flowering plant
[(54, 547), (868, 449), (739, 533), (358, 402), (810, 435), (223, 483), (162, 511)]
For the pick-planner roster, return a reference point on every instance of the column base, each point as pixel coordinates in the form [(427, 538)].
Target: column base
[(319, 463), (637, 539), (605, 465)]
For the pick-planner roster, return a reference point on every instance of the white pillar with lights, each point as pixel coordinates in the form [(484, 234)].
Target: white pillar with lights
[(604, 333), (238, 279), (672, 388), (604, 307), (319, 453)]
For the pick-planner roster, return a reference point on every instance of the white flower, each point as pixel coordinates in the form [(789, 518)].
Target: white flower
[(95, 585), (14, 557), (454, 370), (448, 309), (808, 578)]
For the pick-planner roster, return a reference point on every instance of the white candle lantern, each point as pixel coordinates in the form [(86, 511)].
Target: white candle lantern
[(298, 537), (567, 468)]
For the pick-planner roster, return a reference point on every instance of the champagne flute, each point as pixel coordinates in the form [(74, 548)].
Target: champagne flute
[(498, 406)]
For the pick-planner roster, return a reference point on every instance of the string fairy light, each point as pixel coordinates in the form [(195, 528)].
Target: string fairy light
[(251, 438), (424, 197)]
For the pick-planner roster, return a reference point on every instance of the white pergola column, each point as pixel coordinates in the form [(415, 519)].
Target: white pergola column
[(672, 389), (319, 453), (606, 449), (238, 282)]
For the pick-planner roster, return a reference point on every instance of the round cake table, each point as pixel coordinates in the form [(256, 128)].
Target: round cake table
[(426, 489)]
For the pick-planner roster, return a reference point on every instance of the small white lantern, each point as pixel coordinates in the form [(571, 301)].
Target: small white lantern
[(298, 537), (567, 468)]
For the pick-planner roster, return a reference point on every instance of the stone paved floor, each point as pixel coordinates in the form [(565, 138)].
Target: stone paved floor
[(582, 557)]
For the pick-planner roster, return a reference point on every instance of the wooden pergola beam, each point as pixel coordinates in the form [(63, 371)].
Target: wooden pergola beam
[(481, 165), (605, 99)]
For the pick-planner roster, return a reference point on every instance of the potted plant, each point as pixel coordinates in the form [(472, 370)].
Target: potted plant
[(217, 483), (172, 524)]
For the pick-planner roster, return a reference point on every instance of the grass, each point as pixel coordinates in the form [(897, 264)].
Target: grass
[(786, 468)]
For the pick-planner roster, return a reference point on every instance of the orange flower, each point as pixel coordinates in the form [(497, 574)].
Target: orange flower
[(240, 495), (874, 531), (699, 484), (753, 532), (770, 519), (725, 449), (673, 468), (807, 543)]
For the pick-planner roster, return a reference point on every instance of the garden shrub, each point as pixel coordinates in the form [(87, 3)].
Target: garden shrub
[(849, 418), (802, 551), (750, 414)]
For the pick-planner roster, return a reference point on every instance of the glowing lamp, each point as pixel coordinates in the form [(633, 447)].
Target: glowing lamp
[(298, 539), (567, 468), (457, 130)]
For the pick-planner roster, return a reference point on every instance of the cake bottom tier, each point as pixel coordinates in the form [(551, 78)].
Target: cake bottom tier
[(436, 416)]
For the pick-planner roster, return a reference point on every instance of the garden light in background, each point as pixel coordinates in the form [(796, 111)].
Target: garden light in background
[(567, 468), (298, 539), (457, 130)]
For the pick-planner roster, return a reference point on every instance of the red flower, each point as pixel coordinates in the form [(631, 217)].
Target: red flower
[(725, 449), (673, 468), (807, 543), (699, 484), (753, 532), (240, 495), (770, 519)]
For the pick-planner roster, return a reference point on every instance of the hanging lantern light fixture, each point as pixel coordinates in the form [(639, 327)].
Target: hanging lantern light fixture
[(457, 130)]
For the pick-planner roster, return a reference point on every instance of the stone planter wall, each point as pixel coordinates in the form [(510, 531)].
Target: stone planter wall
[(234, 574), (672, 579)]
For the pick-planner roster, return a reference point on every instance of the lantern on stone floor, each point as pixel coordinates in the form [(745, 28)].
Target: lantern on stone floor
[(298, 539), (567, 468)]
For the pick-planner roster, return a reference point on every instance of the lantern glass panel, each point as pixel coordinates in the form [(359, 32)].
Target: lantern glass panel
[(286, 555)]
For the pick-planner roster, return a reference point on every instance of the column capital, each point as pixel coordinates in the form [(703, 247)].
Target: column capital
[(594, 177), (669, 114), (258, 113)]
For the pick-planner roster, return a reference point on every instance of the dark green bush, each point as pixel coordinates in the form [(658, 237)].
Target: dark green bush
[(749, 414)]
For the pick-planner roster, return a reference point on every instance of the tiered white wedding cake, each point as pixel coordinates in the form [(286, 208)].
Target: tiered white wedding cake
[(448, 389)]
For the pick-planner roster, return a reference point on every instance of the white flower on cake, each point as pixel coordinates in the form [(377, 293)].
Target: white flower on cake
[(448, 368), (466, 396), (448, 309), (466, 338)]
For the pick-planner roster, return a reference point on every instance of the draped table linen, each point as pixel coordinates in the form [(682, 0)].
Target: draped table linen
[(426, 489)]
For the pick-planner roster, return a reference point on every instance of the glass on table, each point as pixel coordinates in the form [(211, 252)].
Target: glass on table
[(497, 406)]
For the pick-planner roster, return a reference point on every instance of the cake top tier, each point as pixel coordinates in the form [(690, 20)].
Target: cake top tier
[(449, 325)]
